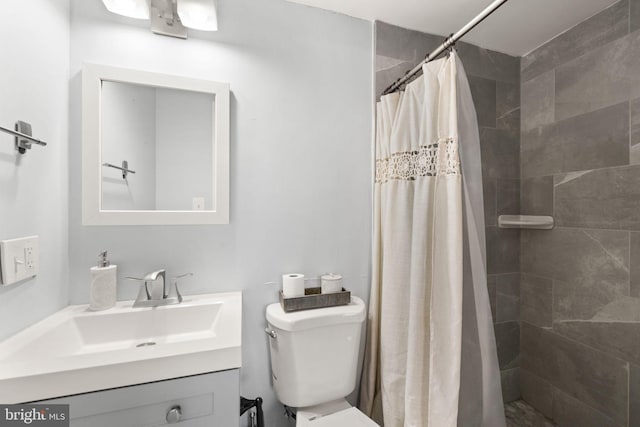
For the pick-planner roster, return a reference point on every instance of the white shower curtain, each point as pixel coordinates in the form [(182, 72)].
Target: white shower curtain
[(428, 262)]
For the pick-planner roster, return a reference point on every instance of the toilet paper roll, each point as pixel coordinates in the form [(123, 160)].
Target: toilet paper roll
[(292, 285), (330, 283)]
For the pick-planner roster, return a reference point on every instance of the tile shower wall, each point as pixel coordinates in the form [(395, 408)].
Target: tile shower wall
[(495, 85), (580, 284)]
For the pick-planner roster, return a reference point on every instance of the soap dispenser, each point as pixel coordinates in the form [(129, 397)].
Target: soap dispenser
[(103, 284)]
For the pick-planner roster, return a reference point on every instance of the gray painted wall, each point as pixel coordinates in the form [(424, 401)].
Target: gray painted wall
[(33, 187), (301, 170), (495, 85), (580, 288), (128, 132), (184, 129)]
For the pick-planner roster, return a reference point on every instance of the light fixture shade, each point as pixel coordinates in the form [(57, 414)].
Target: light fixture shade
[(138, 9), (198, 14)]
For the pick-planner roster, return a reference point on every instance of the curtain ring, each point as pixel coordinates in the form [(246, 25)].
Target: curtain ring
[(450, 43)]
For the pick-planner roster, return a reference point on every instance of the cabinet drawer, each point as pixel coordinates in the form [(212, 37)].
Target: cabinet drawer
[(205, 400)]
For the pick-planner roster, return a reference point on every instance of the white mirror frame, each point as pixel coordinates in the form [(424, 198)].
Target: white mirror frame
[(92, 77)]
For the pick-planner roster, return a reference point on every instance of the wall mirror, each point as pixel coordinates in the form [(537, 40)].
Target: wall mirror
[(155, 148)]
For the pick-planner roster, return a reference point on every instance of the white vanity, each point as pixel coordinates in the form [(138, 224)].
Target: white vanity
[(126, 364), (195, 401)]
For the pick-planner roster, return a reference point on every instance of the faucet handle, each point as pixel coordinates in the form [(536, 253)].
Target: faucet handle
[(154, 275), (174, 292)]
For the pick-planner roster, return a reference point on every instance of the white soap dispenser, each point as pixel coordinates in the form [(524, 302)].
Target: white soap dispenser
[(103, 284)]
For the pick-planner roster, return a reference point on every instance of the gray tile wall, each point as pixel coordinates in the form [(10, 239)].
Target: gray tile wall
[(495, 85), (580, 282)]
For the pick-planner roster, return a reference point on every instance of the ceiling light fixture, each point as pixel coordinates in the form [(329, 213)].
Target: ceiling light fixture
[(169, 17), (198, 14), (138, 9)]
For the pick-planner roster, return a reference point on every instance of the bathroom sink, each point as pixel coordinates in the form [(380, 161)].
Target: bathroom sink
[(76, 351)]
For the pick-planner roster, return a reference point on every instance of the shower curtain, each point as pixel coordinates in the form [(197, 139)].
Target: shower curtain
[(430, 359)]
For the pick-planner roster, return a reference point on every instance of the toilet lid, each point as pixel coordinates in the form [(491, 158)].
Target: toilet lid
[(346, 418)]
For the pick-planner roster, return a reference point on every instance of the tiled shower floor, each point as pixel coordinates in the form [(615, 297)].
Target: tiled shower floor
[(521, 414)]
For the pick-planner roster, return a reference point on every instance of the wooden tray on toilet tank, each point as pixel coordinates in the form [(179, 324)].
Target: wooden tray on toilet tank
[(313, 298)]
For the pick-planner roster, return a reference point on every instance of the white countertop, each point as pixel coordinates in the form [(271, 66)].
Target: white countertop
[(77, 351)]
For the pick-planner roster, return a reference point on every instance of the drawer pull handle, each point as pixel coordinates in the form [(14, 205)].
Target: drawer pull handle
[(174, 414)]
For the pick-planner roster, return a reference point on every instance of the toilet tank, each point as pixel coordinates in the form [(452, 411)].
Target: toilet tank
[(314, 356)]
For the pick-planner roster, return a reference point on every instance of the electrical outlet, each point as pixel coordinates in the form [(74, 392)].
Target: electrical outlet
[(19, 259), (28, 257)]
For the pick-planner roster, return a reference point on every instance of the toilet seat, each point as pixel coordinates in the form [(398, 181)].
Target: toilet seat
[(350, 417)]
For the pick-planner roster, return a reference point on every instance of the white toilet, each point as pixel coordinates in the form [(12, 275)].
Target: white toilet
[(314, 359)]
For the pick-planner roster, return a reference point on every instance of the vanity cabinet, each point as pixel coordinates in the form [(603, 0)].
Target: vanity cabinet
[(207, 400)]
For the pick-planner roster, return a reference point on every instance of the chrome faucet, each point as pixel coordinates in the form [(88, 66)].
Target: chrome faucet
[(153, 290)]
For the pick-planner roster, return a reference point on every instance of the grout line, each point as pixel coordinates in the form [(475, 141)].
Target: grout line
[(553, 76), (630, 264), (575, 341), (536, 275), (495, 201), (507, 321), (629, 391), (570, 396), (556, 173), (553, 302), (583, 228)]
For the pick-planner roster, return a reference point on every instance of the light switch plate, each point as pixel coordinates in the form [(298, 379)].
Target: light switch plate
[(19, 259)]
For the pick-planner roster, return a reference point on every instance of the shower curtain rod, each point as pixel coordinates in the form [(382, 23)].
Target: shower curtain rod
[(449, 41)]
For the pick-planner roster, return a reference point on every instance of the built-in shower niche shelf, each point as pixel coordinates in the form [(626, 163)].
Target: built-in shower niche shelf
[(526, 221)]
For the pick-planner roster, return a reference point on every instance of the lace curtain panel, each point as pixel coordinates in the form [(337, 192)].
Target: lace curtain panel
[(413, 359)]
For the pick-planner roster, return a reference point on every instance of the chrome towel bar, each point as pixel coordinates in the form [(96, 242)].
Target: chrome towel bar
[(125, 168), (23, 136)]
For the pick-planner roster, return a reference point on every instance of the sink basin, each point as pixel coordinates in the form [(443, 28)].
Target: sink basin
[(76, 351)]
